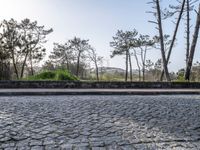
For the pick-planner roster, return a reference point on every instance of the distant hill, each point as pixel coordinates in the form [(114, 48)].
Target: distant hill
[(112, 70)]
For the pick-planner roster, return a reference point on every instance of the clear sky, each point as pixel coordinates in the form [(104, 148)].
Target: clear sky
[(96, 20)]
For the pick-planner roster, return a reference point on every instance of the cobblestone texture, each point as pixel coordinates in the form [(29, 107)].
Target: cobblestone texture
[(100, 123)]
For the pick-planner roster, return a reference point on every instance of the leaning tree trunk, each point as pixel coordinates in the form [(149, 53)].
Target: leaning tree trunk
[(174, 36), (130, 64), (14, 64), (188, 31), (138, 65), (193, 47), (162, 41), (24, 63)]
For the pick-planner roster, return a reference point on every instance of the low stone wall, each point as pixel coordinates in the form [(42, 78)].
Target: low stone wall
[(77, 84)]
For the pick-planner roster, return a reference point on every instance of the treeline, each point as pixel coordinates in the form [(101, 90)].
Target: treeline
[(131, 44), (75, 55), (22, 47)]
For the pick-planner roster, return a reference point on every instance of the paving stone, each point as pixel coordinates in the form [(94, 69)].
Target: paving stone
[(37, 148), (127, 147), (98, 148), (81, 147), (10, 148), (51, 147), (35, 143), (100, 122), (23, 148), (49, 141), (8, 145), (67, 147)]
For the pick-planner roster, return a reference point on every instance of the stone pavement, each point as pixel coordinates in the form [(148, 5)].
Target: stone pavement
[(100, 122)]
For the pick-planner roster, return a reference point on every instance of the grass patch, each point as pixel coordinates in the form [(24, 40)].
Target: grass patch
[(57, 75)]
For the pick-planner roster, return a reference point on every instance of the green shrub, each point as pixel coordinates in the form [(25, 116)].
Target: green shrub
[(65, 75), (46, 75), (57, 75)]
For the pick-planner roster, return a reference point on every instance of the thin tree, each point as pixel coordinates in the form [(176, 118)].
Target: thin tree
[(144, 43), (137, 63), (4, 60), (79, 46), (10, 38), (187, 30), (62, 54), (158, 15), (189, 8), (149, 67), (157, 69), (32, 38), (122, 43), (193, 46), (131, 68), (24, 41), (174, 33), (96, 60)]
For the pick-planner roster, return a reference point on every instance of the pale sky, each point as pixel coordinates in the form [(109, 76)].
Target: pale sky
[(96, 20)]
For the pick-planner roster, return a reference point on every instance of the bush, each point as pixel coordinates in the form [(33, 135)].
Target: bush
[(46, 75), (57, 75)]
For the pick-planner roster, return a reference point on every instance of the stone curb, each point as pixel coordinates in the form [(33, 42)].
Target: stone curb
[(44, 92)]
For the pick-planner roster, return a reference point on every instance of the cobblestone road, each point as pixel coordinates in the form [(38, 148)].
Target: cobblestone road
[(100, 122)]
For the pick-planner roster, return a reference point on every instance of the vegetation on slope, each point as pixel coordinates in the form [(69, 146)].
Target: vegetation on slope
[(57, 75)]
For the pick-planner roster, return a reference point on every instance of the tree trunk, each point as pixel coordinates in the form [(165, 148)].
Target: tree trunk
[(32, 71), (143, 58), (145, 54), (31, 61), (138, 65), (78, 63), (126, 74), (68, 65), (2, 70), (7, 73), (24, 63), (162, 41), (174, 36), (31, 58), (97, 71), (14, 64), (188, 32), (130, 64), (193, 47)]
